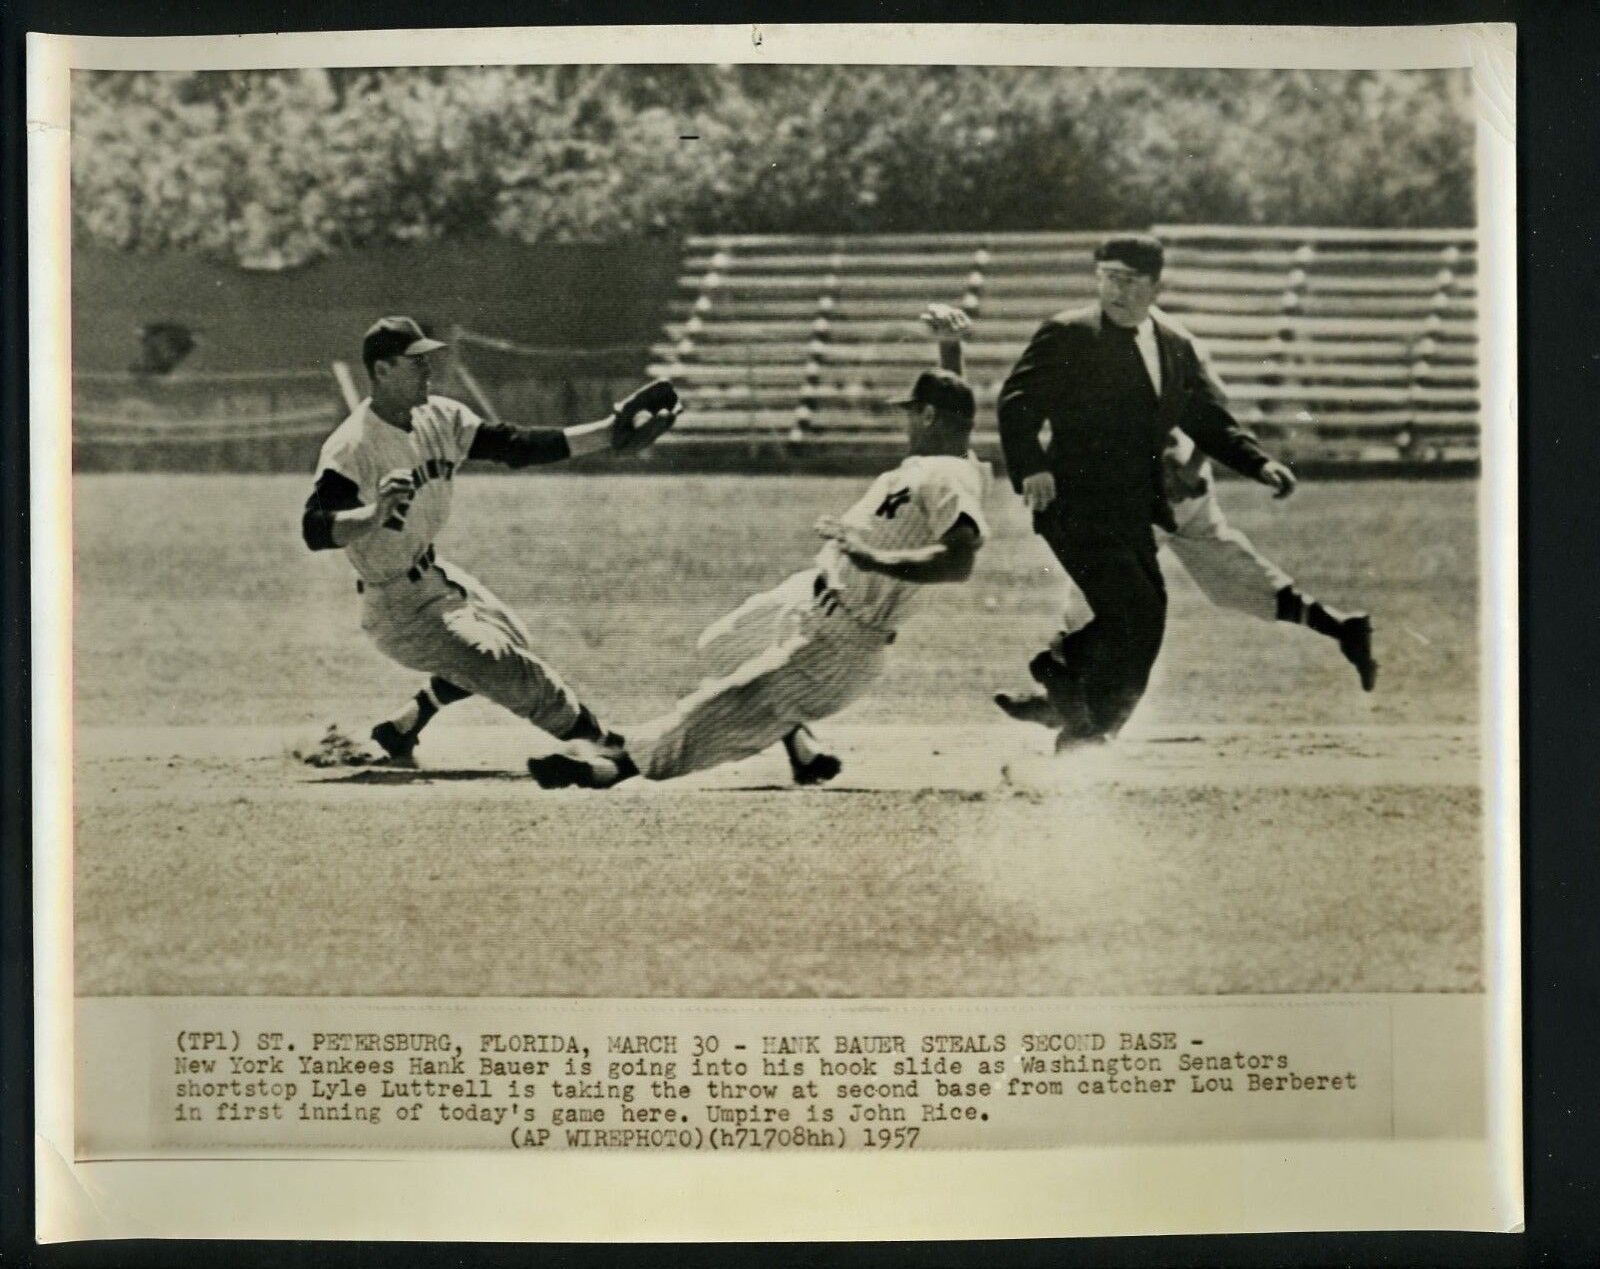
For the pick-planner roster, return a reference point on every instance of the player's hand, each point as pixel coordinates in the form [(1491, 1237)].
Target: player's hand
[(832, 529), (1278, 478), (848, 540), (1038, 491), (395, 490), (946, 321)]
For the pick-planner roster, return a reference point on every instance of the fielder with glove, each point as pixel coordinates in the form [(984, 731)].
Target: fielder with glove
[(383, 490)]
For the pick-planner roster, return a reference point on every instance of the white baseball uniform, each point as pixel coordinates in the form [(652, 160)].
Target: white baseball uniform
[(812, 645), (1223, 562), (423, 612)]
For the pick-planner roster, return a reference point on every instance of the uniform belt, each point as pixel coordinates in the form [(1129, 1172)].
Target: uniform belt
[(414, 574), (831, 603)]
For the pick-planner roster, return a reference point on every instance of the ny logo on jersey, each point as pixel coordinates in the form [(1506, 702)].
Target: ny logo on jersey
[(893, 503)]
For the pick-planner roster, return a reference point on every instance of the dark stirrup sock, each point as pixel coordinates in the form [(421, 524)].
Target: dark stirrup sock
[(446, 692), (1298, 610), (587, 727)]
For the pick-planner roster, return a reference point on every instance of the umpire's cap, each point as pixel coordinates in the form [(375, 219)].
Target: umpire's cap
[(395, 337), (946, 391), (1140, 252)]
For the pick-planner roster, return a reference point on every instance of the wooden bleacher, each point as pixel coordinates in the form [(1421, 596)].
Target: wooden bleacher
[(1336, 344)]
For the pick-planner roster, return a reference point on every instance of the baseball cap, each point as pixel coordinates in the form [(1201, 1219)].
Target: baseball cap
[(1140, 252), (946, 391), (395, 337)]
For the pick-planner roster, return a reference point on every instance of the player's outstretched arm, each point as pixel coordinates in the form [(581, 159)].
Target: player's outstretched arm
[(950, 325), (636, 422), (948, 560)]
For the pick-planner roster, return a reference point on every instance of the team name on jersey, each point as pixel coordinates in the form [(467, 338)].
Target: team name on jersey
[(421, 474)]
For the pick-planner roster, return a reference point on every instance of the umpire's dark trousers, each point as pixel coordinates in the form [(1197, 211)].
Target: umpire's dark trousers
[(1115, 567)]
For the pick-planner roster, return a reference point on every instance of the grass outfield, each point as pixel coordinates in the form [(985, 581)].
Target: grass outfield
[(1265, 827), (197, 602)]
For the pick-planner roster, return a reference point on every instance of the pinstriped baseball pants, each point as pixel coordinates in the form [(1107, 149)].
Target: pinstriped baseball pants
[(450, 624), (779, 660)]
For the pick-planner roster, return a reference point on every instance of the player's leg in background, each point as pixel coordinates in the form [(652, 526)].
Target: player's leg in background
[(1232, 573), (1223, 562)]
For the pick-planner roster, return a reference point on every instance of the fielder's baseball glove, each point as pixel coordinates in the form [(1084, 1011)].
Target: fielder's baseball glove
[(658, 399)]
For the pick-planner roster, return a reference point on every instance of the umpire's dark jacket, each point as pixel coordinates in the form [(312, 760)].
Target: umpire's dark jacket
[(1107, 425)]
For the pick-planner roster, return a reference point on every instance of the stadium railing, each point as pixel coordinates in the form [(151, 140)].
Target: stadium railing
[(197, 420)]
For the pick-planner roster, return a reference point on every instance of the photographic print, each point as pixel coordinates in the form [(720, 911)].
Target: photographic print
[(970, 586)]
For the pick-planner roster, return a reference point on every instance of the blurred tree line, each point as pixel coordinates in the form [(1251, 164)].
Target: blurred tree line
[(276, 168)]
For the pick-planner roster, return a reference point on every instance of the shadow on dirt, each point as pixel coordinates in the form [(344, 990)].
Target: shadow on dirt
[(417, 775), (442, 775)]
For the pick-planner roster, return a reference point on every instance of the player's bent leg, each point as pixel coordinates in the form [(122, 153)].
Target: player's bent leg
[(1232, 573), (1351, 631), (452, 627), (757, 706), (1224, 563), (398, 735), (754, 626)]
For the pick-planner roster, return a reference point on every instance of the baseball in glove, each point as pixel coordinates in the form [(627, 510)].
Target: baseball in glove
[(644, 415)]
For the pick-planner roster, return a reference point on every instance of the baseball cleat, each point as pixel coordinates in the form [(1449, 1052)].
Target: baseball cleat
[(819, 770), (583, 765), (1355, 642), (808, 763), (399, 747), (1029, 709), (563, 771)]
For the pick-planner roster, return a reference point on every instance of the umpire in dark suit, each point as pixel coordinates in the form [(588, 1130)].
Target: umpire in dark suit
[(1110, 381)]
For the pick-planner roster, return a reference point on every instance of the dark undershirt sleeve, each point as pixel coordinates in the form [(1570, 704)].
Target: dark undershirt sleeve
[(519, 446), (332, 493), (965, 519)]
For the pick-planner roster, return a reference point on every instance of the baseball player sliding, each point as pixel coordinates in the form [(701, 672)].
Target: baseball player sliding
[(383, 489), (806, 649)]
